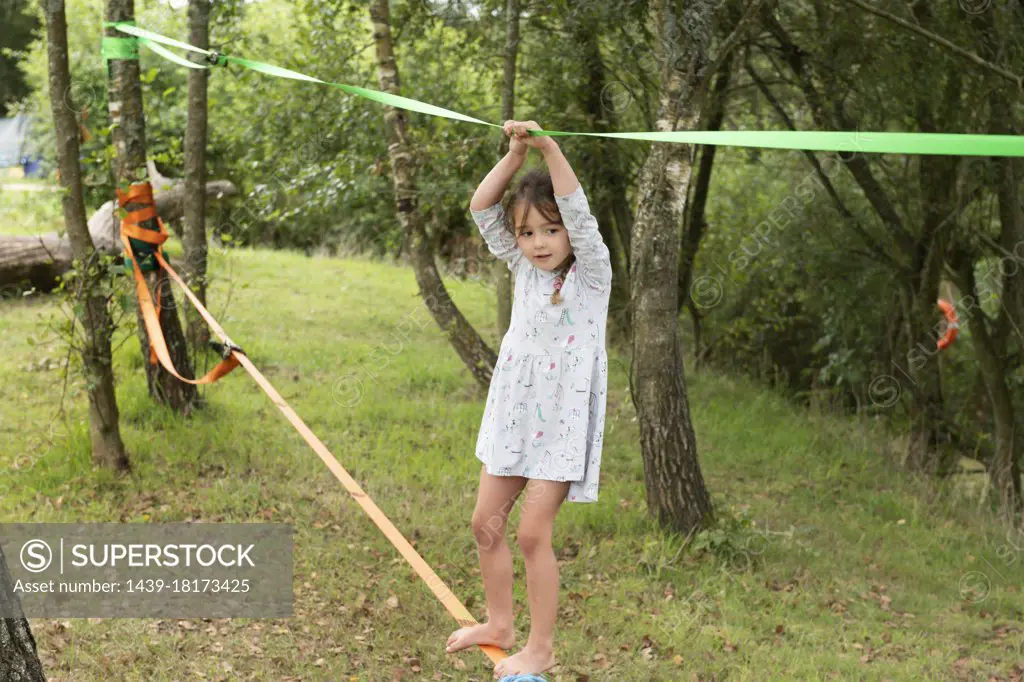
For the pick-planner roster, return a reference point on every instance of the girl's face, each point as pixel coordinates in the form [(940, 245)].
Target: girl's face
[(545, 243)]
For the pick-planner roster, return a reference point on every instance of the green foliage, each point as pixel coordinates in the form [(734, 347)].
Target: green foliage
[(312, 162), (732, 539), (813, 305), (19, 24)]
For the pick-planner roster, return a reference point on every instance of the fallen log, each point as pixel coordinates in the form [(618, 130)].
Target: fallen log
[(39, 261)]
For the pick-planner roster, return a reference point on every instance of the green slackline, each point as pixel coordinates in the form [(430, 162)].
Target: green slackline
[(954, 144)]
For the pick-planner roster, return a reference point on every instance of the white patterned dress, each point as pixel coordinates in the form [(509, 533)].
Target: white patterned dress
[(545, 410)]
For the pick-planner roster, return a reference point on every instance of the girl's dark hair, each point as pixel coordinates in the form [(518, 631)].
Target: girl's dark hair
[(535, 189)]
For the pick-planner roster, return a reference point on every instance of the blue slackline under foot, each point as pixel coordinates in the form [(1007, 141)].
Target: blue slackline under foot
[(522, 678)]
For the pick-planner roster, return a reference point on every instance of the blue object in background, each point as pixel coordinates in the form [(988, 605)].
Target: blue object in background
[(32, 167), (522, 678)]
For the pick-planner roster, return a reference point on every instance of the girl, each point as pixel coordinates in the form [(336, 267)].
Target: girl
[(543, 424)]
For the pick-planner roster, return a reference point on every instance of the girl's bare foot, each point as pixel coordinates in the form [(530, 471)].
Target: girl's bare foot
[(527, 661), (483, 633)]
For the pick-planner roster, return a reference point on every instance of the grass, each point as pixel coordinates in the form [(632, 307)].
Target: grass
[(828, 563), (28, 213)]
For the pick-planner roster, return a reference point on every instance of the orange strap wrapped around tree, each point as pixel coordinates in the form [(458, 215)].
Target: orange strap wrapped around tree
[(131, 228), (952, 324)]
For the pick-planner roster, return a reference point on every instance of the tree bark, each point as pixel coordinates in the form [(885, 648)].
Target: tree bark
[(476, 355), (676, 494), (503, 276), (19, 660), (124, 94), (104, 429), (194, 233)]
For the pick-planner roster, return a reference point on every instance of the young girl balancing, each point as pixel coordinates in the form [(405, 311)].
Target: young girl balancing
[(543, 423)]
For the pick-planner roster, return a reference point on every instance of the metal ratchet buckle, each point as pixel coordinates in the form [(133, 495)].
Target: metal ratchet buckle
[(225, 349)]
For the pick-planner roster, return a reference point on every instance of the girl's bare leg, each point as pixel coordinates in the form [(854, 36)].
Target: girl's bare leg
[(542, 501), (495, 499)]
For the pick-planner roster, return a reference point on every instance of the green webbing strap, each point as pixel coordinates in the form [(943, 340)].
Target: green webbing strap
[(127, 48), (850, 141), (120, 48)]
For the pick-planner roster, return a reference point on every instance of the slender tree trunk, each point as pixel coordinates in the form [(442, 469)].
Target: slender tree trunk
[(696, 217), (676, 494), (995, 30), (19, 660), (194, 237), (104, 430), (607, 176), (927, 451), (1004, 470), (124, 92), (503, 276), (471, 348)]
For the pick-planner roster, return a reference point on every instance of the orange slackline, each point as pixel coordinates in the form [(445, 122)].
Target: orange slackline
[(234, 355)]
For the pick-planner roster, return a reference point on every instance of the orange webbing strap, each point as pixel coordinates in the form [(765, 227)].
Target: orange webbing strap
[(436, 585), (130, 227)]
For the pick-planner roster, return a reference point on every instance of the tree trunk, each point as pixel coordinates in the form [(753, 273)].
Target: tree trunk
[(19, 661), (922, 368), (503, 276), (696, 218), (676, 494), (1006, 475), (194, 233), (33, 261), (124, 92), (40, 261), (927, 449), (607, 175), (104, 429), (467, 343), (1004, 470)]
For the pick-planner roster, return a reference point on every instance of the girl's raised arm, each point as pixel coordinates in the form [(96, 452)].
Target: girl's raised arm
[(595, 264), (488, 213)]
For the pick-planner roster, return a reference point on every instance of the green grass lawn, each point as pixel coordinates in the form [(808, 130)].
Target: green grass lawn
[(849, 571)]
